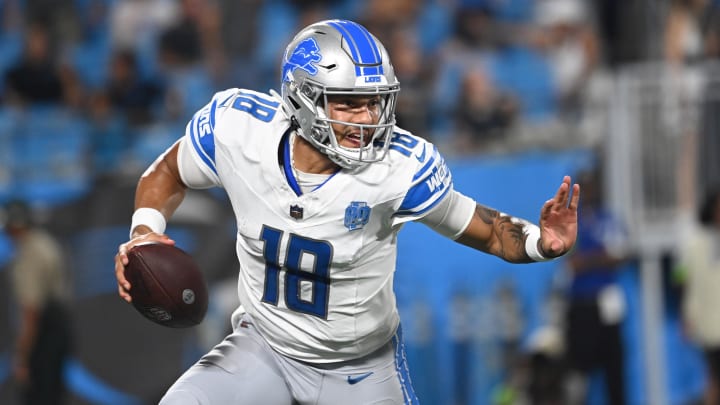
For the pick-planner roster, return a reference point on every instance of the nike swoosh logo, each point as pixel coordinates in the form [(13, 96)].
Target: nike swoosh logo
[(357, 378), (421, 158)]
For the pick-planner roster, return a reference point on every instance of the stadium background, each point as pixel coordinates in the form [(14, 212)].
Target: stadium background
[(515, 93)]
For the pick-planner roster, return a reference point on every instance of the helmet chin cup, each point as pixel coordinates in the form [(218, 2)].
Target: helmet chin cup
[(339, 57)]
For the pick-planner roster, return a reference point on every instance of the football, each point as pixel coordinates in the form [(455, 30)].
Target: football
[(166, 285)]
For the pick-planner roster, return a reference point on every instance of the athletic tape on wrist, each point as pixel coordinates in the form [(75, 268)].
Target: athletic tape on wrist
[(149, 217), (531, 243)]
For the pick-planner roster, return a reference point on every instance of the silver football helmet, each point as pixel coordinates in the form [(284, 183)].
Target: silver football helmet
[(339, 57)]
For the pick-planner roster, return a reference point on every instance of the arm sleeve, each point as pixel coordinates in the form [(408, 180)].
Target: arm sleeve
[(451, 216)]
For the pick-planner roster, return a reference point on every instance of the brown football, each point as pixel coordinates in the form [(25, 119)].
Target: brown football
[(166, 285)]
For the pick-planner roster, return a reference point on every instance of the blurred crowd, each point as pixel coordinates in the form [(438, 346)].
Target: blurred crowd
[(93, 90), (478, 76)]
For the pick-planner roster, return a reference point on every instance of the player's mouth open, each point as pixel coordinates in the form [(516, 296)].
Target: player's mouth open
[(354, 140)]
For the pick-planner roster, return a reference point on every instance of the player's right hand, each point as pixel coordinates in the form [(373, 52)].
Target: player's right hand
[(121, 259)]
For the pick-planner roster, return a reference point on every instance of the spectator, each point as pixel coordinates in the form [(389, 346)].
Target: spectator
[(595, 301), (129, 93), (43, 341), (239, 26), (134, 23), (484, 114), (192, 57), (412, 107), (59, 17), (624, 29), (546, 348), (195, 39), (383, 18), (476, 27), (182, 43), (512, 66), (471, 44), (683, 31), (571, 46), (35, 78), (711, 36), (309, 10), (110, 136), (700, 266)]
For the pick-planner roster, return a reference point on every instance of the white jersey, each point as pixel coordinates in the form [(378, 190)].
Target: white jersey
[(316, 269)]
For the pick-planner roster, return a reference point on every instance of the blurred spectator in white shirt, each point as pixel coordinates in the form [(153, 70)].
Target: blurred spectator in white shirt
[(134, 22), (699, 266), (570, 43)]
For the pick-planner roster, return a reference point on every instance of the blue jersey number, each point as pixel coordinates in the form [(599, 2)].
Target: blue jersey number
[(318, 280), (403, 143), (260, 108)]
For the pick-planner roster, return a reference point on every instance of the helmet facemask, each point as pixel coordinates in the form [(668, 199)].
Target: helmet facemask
[(332, 70), (374, 138)]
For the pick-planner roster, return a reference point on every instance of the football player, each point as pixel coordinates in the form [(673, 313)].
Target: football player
[(321, 182)]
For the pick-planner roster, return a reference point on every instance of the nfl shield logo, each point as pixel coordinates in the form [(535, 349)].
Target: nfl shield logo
[(296, 211), (356, 215)]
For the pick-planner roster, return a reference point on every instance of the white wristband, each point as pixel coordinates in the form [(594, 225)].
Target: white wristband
[(531, 243), (149, 217)]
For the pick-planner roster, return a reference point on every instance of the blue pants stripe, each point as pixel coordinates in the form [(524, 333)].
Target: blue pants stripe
[(402, 369)]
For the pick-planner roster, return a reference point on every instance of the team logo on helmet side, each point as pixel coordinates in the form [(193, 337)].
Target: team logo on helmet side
[(305, 54)]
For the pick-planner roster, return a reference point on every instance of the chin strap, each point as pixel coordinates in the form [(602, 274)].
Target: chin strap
[(287, 108)]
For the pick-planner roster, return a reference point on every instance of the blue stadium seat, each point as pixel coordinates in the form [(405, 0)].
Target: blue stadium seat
[(91, 61), (110, 141), (8, 127), (520, 11), (7, 250), (11, 45), (194, 86), (147, 52), (434, 26), (151, 142), (525, 74), (90, 56), (282, 18), (507, 10), (51, 150), (448, 89)]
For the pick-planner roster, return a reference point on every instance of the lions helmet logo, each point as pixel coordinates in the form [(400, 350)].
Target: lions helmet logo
[(303, 57)]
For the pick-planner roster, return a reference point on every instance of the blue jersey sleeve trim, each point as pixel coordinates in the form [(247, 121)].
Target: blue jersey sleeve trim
[(427, 165), (205, 158), (431, 181), (212, 118), (417, 195), (410, 212), (205, 145)]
